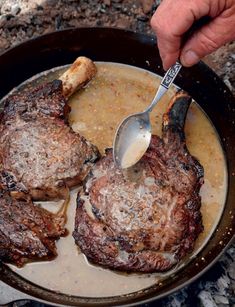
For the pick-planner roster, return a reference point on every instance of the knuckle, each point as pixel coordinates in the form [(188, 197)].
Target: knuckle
[(207, 42), (158, 20), (156, 23)]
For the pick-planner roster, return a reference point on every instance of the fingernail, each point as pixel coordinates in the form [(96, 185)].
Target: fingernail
[(189, 58)]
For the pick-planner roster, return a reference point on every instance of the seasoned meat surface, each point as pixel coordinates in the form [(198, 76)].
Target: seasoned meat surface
[(39, 152), (145, 218), (27, 232), (40, 157)]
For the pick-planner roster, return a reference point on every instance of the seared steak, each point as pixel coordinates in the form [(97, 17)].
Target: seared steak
[(145, 218), (39, 152), (27, 232)]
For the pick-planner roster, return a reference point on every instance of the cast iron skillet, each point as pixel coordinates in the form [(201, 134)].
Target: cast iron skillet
[(115, 45)]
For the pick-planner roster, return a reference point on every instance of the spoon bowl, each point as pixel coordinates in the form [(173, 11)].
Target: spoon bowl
[(133, 135), (132, 139)]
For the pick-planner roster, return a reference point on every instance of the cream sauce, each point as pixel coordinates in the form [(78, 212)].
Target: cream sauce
[(116, 92), (135, 151)]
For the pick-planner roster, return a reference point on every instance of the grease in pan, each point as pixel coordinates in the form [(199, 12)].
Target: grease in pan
[(105, 99)]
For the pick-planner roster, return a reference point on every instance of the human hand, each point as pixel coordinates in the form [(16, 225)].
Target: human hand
[(174, 18)]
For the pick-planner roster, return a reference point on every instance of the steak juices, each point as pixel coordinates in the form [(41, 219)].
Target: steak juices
[(148, 217), (117, 91)]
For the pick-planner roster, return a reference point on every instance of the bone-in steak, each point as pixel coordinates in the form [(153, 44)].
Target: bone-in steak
[(145, 218), (27, 232), (39, 153)]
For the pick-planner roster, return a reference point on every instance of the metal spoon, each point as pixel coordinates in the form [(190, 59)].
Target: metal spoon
[(133, 135)]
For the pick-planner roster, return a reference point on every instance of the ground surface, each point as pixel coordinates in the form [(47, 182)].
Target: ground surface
[(23, 19)]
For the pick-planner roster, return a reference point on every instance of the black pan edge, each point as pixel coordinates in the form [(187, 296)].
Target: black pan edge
[(122, 46)]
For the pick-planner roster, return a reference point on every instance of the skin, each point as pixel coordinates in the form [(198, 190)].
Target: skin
[(174, 18)]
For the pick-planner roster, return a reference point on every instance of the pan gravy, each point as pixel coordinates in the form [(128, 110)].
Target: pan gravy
[(117, 91)]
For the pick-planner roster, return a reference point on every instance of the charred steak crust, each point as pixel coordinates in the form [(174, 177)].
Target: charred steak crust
[(44, 100), (148, 217), (27, 232), (39, 153), (40, 157)]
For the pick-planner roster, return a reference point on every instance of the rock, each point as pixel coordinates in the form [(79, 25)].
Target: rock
[(74, 23), (39, 7), (42, 16), (6, 7), (107, 2), (9, 16), (58, 22), (147, 5), (30, 32), (206, 299), (220, 299), (3, 21), (123, 23), (4, 43), (36, 21), (228, 83), (15, 10), (117, 6), (99, 23), (143, 18), (48, 30), (51, 3), (231, 271)]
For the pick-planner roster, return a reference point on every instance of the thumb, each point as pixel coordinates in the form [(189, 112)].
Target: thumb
[(208, 39)]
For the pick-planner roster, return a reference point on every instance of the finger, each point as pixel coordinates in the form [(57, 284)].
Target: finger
[(169, 24), (169, 53), (172, 19), (209, 38), (168, 37)]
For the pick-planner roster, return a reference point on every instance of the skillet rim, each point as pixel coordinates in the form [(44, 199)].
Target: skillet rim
[(28, 287)]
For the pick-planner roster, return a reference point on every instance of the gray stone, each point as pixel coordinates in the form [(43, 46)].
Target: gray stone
[(206, 299), (3, 20), (107, 2), (228, 83), (231, 271), (220, 299), (15, 10), (228, 64), (147, 5)]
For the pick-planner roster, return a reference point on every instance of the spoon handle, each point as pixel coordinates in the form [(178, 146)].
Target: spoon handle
[(165, 84)]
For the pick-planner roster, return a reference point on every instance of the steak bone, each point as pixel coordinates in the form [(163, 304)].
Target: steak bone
[(78, 75)]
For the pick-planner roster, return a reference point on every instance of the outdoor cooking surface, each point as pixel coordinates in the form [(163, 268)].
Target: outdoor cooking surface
[(20, 20), (24, 19)]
